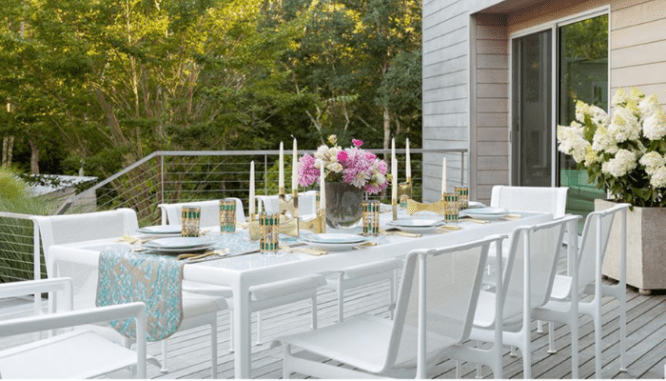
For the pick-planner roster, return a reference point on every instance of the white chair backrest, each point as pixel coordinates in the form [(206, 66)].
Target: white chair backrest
[(530, 199), (588, 248), (210, 212), (451, 285), (307, 203), (541, 245), (70, 228)]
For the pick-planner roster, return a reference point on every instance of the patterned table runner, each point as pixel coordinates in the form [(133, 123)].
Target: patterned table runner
[(156, 280)]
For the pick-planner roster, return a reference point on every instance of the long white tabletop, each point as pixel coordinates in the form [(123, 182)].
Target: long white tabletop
[(244, 271)]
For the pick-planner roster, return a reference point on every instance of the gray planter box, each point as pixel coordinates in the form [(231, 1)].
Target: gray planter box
[(646, 248)]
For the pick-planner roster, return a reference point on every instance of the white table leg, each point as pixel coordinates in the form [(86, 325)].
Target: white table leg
[(242, 331)]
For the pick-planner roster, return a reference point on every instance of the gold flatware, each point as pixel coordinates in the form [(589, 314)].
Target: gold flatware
[(450, 227), (194, 257), (399, 232), (476, 221), (305, 250), (364, 245)]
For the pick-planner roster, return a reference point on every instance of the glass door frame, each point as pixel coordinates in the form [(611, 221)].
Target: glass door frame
[(553, 26)]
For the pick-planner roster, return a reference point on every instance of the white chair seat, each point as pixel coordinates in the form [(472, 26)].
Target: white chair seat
[(287, 287), (561, 287), (195, 305), (58, 356)]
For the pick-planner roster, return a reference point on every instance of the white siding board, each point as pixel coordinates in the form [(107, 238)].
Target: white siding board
[(636, 15), (447, 93), (639, 34), (491, 61), (492, 134), (446, 107), (492, 90), (492, 47), (493, 119), (639, 55), (492, 105), (451, 52), (493, 76), (639, 75), (446, 40), (442, 120), (458, 63), (445, 80)]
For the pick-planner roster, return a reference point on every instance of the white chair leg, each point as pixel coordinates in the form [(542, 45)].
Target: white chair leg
[(513, 352), (539, 326), (391, 298), (231, 331), (314, 312), (458, 370), (527, 356), (551, 337), (479, 372), (574, 348), (597, 345), (341, 312), (164, 368), (286, 359), (259, 342), (213, 348)]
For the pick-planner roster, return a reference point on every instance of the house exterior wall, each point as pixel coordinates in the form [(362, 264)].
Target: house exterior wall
[(466, 75)]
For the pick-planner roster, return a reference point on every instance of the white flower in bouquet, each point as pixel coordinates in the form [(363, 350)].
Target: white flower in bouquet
[(623, 162), (652, 161), (619, 98), (654, 127), (572, 141), (603, 141), (335, 167), (624, 126), (658, 178), (599, 116), (649, 105)]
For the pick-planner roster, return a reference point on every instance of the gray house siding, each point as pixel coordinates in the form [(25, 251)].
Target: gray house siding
[(466, 76)]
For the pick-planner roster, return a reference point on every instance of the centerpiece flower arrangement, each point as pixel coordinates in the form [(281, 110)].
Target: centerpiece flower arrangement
[(348, 173), (353, 165), (623, 153)]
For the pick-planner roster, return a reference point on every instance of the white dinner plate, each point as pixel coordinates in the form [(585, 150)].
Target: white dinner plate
[(475, 205), (485, 213), (161, 229), (334, 238), (334, 246), (182, 250), (177, 243), (421, 225)]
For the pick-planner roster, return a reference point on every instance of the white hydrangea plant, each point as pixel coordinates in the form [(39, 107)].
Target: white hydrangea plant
[(625, 153)]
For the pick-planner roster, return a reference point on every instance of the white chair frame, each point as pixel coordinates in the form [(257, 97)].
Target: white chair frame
[(53, 321)]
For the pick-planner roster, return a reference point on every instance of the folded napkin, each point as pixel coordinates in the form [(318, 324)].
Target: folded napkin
[(126, 277)]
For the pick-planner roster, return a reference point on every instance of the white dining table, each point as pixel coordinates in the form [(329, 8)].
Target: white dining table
[(244, 271)]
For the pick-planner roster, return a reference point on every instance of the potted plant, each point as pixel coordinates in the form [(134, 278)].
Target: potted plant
[(624, 154), (348, 173)]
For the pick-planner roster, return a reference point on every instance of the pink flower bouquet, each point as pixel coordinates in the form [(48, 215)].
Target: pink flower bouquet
[(352, 165)]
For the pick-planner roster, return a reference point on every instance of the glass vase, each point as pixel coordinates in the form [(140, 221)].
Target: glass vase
[(343, 205)]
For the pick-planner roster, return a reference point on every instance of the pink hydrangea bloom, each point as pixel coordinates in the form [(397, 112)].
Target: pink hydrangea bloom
[(307, 173), (342, 156), (357, 143), (382, 166), (370, 156)]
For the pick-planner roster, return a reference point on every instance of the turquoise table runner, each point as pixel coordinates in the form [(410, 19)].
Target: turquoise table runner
[(156, 280)]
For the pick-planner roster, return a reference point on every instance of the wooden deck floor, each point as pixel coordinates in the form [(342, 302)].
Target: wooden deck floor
[(189, 351)]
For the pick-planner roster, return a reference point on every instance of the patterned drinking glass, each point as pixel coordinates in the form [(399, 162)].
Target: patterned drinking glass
[(404, 193), (463, 197), (370, 218), (191, 217), (227, 216), (270, 228), (450, 207)]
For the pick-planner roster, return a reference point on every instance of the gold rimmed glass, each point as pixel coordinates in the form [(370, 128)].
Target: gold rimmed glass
[(190, 220)]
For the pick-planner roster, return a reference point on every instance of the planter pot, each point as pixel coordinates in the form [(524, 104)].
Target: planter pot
[(343, 205), (646, 247)]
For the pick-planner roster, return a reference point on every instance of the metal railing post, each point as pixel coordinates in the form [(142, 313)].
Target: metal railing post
[(462, 168), (265, 174), (161, 161)]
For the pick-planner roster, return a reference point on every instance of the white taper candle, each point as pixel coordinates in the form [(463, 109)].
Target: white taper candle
[(294, 169), (408, 169), (394, 173), (251, 207), (322, 188), (444, 175), (281, 172)]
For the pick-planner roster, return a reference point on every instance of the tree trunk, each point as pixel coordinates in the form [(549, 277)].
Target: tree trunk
[(7, 150), (34, 158)]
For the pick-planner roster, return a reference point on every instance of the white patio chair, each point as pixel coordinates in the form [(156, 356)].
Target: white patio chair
[(565, 306), (364, 275), (210, 212), (435, 308), (282, 293), (530, 199), (198, 310), (78, 353), (526, 283), (307, 204)]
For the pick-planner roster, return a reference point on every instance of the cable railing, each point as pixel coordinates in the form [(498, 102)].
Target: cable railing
[(180, 176)]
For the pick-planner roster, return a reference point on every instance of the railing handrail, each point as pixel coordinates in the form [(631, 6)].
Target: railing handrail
[(70, 200)]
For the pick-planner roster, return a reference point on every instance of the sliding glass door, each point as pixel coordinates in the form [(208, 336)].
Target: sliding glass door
[(546, 83)]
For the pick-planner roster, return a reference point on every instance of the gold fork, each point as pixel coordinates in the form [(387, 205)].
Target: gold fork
[(304, 250)]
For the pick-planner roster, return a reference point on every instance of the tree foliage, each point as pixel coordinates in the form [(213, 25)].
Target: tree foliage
[(99, 84)]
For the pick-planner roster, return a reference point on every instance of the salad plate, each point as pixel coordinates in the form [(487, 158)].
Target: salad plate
[(161, 229), (420, 225)]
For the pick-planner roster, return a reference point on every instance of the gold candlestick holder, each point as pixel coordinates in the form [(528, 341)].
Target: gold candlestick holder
[(404, 193), (289, 207), (394, 209), (463, 197)]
